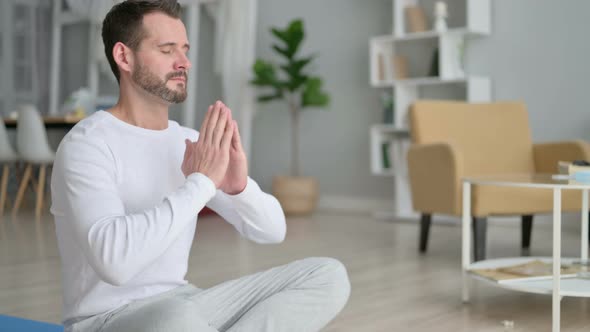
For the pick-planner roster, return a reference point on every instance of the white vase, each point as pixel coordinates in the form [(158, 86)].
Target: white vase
[(440, 14), (440, 25)]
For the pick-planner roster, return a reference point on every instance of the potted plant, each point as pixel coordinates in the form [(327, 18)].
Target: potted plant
[(300, 90)]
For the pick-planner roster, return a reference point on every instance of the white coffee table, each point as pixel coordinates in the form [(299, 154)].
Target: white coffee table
[(555, 285)]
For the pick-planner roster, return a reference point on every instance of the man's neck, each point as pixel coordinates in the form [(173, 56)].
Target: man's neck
[(140, 109)]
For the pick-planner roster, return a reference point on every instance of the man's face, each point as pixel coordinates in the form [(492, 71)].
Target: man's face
[(161, 62)]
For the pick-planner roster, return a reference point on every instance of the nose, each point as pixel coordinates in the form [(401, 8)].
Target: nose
[(182, 63)]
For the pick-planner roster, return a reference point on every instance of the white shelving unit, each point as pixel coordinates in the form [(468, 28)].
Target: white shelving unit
[(468, 19)]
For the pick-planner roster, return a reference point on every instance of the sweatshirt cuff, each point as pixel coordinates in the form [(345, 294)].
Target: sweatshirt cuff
[(249, 192), (205, 184)]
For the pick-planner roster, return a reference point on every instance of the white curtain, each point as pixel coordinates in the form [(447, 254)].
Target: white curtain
[(235, 51), (93, 10)]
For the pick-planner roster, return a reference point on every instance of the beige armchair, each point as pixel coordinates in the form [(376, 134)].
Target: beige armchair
[(453, 140)]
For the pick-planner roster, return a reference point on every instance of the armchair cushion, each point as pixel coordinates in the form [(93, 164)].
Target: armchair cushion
[(494, 138)]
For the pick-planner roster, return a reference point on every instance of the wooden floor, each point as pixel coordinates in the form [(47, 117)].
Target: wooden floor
[(393, 287)]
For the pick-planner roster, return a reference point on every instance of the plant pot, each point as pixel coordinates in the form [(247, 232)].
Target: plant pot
[(298, 195)]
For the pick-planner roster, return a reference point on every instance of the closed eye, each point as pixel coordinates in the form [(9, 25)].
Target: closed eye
[(168, 48)]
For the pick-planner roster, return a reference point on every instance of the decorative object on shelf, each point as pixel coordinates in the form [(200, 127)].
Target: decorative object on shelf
[(400, 67), (388, 111), (434, 69), (385, 150), (416, 19), (576, 171), (570, 168), (80, 103), (440, 14), (460, 65), (300, 90)]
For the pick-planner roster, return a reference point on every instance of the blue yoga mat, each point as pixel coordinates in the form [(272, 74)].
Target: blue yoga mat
[(15, 324)]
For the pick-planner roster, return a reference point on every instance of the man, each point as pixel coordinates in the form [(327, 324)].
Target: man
[(127, 186)]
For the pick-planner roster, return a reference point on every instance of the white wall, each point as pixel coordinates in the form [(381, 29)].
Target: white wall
[(335, 140), (539, 52)]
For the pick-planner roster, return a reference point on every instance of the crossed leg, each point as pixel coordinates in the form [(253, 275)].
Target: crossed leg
[(301, 296)]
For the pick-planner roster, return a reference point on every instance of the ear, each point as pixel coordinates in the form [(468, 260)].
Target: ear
[(123, 56)]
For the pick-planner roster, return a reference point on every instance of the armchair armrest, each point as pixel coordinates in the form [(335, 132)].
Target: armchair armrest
[(548, 154), (435, 172)]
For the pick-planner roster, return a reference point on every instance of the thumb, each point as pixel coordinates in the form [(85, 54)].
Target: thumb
[(236, 141)]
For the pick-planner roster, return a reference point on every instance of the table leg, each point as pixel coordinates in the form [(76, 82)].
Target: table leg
[(466, 243), (556, 258), (584, 254)]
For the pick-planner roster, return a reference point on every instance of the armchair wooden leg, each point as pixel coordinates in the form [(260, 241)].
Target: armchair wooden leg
[(22, 188), (425, 222), (527, 228), (40, 191), (3, 187), (480, 226)]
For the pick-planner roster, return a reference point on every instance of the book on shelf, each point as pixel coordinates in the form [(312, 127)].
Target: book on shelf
[(532, 269), (400, 67), (390, 67), (385, 159), (571, 168), (387, 104), (416, 19)]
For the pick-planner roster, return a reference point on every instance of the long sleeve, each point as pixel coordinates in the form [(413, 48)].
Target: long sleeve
[(118, 245), (255, 214)]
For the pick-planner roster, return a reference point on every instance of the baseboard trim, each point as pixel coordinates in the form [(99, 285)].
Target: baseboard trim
[(382, 209), (352, 204)]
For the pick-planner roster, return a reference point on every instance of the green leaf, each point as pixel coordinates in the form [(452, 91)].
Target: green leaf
[(292, 36), (264, 74), (313, 94), (296, 82), (294, 68), (268, 98), (282, 51), (280, 34)]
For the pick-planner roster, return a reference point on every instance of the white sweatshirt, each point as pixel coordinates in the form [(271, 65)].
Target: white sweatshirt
[(125, 214)]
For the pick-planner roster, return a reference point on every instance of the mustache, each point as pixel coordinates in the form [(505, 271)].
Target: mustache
[(177, 74)]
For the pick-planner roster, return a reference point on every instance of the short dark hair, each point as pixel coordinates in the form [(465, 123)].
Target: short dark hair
[(124, 23)]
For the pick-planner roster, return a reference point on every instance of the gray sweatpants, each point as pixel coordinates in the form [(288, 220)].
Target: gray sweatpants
[(301, 296)]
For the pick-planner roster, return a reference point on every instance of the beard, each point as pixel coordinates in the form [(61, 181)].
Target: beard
[(152, 84)]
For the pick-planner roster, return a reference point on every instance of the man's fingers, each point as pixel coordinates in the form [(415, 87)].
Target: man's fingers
[(220, 127), (203, 131), (229, 115), (227, 136), (214, 118), (236, 139), (187, 148)]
